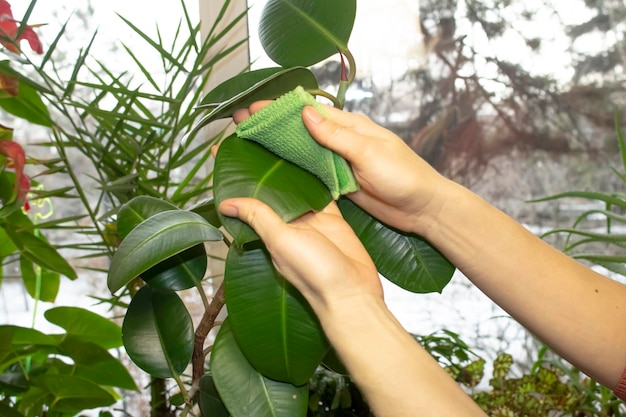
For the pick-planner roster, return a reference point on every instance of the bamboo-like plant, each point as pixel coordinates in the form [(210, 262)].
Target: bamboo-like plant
[(127, 132)]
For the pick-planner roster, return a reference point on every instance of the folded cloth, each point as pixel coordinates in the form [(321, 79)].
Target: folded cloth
[(279, 128)]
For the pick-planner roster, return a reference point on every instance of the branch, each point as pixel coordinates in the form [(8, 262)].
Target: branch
[(202, 331)]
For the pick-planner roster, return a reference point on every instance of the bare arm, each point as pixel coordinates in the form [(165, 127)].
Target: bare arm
[(320, 254), (580, 313)]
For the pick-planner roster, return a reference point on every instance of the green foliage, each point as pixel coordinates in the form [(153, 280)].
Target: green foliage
[(61, 372), (606, 247), (130, 132)]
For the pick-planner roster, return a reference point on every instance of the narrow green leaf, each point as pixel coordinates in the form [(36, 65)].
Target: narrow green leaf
[(274, 325), (616, 199), (247, 393), (155, 240), (246, 169), (158, 332), (86, 326), (407, 260), (303, 32)]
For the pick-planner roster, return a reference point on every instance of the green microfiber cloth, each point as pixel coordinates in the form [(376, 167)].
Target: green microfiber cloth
[(279, 128)]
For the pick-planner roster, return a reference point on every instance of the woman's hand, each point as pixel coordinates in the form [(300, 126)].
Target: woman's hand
[(318, 252), (397, 186)]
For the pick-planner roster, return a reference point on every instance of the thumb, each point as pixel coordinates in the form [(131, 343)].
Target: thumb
[(331, 134), (255, 213)]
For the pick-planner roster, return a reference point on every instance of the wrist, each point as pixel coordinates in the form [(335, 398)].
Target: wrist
[(446, 197)]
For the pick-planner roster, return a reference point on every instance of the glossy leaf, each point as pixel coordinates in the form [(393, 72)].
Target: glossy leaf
[(246, 169), (208, 210), (247, 393), (210, 403), (155, 240), (304, 32), (261, 87), (235, 85), (96, 364), (274, 325), (86, 326), (73, 394), (158, 332), (137, 210), (180, 272), (407, 260)]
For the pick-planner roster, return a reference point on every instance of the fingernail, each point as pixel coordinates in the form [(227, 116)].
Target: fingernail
[(228, 209), (312, 114)]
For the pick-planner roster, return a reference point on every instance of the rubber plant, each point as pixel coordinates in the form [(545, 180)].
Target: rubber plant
[(271, 343)]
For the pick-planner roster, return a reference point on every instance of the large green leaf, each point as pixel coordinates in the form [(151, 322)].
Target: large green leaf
[(86, 325), (73, 394), (155, 240), (305, 32), (96, 364), (274, 325), (158, 332), (246, 169), (407, 260), (210, 403), (137, 210), (235, 85), (179, 272), (244, 89), (247, 393), (208, 210), (24, 336)]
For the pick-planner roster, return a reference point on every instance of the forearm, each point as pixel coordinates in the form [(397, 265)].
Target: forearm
[(578, 312), (391, 369)]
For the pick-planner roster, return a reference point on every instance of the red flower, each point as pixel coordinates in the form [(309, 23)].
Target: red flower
[(9, 31), (15, 153)]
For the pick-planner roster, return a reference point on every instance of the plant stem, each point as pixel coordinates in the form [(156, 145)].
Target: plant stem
[(346, 81), (336, 103), (202, 331)]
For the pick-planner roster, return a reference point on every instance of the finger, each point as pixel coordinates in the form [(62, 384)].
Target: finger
[(240, 115), (214, 150), (258, 215), (258, 105), (335, 136)]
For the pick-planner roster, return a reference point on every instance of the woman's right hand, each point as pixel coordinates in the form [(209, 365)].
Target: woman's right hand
[(397, 186)]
